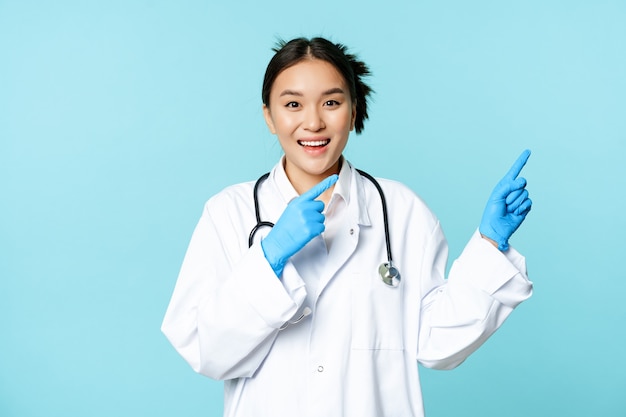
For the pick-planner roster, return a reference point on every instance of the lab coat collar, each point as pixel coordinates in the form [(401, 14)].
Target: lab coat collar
[(359, 193), (349, 183), (283, 184)]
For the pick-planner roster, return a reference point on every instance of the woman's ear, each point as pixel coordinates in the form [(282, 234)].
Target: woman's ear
[(353, 115), (268, 119)]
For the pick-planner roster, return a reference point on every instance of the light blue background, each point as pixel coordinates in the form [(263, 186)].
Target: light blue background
[(118, 119)]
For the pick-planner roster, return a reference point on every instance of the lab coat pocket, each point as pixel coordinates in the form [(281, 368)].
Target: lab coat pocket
[(377, 313)]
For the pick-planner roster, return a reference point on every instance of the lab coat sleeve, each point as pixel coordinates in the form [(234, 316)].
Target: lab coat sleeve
[(227, 306), (460, 314)]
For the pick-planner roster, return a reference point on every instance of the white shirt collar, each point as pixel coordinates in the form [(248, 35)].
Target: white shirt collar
[(343, 188)]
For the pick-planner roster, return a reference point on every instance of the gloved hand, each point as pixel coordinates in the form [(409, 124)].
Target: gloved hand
[(507, 206), (301, 221)]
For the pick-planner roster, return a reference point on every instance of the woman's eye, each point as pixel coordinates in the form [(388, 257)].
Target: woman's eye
[(331, 103), (292, 105)]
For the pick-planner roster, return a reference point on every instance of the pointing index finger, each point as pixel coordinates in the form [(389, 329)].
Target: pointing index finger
[(518, 165), (318, 189)]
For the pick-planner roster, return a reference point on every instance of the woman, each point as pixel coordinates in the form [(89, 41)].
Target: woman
[(298, 322)]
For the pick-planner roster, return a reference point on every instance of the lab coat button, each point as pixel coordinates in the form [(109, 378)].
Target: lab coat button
[(351, 231), (320, 368)]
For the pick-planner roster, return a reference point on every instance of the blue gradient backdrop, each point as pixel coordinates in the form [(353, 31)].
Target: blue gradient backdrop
[(118, 119)]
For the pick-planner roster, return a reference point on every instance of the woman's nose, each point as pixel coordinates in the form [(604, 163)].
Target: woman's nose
[(313, 120)]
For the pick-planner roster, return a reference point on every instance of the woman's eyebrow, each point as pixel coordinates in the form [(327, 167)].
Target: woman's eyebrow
[(290, 93), (335, 90)]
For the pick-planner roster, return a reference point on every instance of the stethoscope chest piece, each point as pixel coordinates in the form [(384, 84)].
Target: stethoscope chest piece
[(389, 274)]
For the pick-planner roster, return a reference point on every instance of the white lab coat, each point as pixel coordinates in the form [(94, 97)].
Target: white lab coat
[(355, 354)]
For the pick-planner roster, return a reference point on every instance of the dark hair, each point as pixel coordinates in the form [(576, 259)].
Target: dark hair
[(352, 70)]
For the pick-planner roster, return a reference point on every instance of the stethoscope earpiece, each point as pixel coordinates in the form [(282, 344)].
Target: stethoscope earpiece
[(389, 274)]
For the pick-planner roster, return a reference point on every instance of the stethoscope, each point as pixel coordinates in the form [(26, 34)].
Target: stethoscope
[(388, 272)]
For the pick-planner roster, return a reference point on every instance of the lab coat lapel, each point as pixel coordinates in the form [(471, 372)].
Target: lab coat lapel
[(347, 239)]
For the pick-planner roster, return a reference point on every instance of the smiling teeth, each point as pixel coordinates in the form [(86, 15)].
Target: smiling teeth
[(314, 142)]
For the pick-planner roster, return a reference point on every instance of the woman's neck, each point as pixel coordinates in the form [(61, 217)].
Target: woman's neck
[(302, 181)]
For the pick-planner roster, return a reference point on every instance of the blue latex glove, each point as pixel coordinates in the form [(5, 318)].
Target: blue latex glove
[(301, 221), (507, 206)]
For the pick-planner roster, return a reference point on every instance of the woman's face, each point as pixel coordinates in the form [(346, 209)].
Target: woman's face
[(312, 115)]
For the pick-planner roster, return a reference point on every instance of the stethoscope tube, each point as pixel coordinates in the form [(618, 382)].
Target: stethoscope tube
[(257, 212), (385, 217), (388, 272)]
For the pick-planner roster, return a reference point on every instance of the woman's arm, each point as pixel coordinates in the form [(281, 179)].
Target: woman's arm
[(483, 288), (227, 306)]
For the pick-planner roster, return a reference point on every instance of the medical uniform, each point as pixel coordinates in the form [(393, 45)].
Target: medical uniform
[(330, 338)]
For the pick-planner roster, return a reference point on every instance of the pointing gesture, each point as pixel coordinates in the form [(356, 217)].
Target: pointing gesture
[(301, 221), (507, 206)]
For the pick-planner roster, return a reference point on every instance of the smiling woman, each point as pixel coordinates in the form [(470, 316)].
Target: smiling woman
[(312, 114), (298, 322)]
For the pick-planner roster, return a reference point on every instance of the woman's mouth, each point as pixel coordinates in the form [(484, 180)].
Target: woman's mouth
[(314, 143)]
